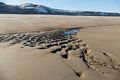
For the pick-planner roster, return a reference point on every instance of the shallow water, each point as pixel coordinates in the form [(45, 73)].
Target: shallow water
[(71, 31)]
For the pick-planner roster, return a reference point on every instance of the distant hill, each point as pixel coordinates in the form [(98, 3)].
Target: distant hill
[(29, 8)]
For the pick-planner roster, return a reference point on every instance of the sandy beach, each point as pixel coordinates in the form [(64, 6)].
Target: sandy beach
[(51, 47)]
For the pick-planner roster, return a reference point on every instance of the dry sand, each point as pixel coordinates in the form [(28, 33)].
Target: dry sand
[(100, 37)]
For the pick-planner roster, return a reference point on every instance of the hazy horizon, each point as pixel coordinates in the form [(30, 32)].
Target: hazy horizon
[(78, 5)]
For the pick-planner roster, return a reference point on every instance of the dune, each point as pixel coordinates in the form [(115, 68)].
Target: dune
[(51, 47)]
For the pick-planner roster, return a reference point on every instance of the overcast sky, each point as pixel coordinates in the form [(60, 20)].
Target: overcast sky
[(81, 5)]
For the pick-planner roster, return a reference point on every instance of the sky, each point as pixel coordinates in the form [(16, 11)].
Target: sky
[(79, 5)]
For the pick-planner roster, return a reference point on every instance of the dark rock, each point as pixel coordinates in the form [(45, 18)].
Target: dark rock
[(49, 45), (53, 50), (63, 46), (65, 56)]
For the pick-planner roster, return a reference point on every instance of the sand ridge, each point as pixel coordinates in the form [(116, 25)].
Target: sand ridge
[(75, 53)]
